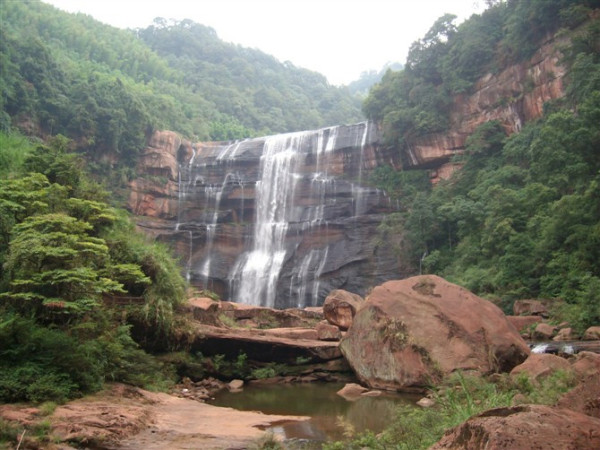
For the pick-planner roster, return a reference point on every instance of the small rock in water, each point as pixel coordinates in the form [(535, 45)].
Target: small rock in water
[(371, 394), (352, 391), (426, 402), (236, 385)]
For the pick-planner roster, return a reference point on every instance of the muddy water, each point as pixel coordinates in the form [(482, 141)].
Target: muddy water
[(332, 417)]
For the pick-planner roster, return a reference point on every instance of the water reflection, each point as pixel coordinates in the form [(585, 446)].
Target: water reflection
[(332, 417)]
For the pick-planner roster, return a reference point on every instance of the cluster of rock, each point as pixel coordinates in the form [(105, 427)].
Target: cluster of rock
[(530, 318), (574, 422), (404, 336), (411, 333), (263, 334)]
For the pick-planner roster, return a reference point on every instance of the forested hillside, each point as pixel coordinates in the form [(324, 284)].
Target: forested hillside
[(522, 217), (107, 88), (76, 281), (369, 78)]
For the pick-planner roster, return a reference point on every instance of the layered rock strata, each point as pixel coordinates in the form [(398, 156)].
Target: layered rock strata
[(277, 221), (513, 97)]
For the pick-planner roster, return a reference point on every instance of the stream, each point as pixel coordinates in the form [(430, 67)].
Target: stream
[(332, 417)]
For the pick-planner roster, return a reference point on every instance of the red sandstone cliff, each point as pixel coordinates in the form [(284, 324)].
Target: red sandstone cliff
[(514, 96)]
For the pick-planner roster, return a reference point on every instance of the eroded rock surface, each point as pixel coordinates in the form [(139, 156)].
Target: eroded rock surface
[(123, 417), (413, 331), (207, 200), (340, 307), (524, 427), (512, 97)]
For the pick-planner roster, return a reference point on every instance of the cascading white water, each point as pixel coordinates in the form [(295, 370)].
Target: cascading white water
[(358, 192), (212, 226), (256, 273), (265, 218), (182, 191)]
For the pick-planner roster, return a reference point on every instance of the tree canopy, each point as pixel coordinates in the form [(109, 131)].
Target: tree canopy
[(63, 253), (107, 88)]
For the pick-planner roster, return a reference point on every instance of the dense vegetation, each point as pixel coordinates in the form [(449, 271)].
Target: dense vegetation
[(66, 259), (369, 78), (107, 88), (522, 217), (449, 59)]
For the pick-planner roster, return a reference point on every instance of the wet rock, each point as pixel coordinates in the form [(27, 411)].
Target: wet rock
[(352, 391), (411, 332), (340, 307), (564, 334), (235, 385), (373, 393), (524, 427), (426, 402)]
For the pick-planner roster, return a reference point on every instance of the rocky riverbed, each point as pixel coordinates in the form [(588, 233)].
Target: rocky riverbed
[(403, 335)]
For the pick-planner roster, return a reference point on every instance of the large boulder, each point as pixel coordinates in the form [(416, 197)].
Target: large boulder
[(586, 364), (409, 333), (340, 307), (524, 427)]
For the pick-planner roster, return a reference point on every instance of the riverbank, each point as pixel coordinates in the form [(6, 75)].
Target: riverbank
[(123, 417)]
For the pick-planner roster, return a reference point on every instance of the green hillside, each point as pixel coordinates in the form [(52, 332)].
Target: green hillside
[(521, 219), (107, 88)]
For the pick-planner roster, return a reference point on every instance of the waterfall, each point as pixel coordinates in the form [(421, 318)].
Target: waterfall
[(258, 270), (280, 221)]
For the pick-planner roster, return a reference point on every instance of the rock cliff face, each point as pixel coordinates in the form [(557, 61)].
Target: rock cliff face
[(513, 96), (275, 221), (283, 220)]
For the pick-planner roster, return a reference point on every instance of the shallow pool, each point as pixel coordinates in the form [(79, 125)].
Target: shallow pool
[(332, 417)]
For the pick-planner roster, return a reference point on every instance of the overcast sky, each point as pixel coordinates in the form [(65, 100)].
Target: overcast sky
[(338, 38)]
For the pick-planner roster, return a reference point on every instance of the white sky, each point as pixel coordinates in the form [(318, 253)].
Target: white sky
[(338, 38)]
